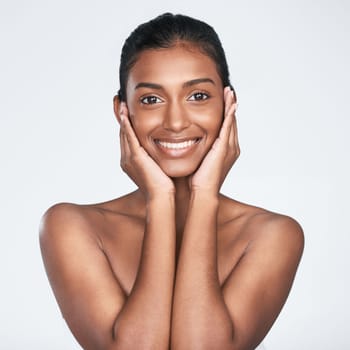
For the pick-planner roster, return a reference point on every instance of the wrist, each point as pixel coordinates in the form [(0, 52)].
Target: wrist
[(161, 198), (161, 209), (205, 196)]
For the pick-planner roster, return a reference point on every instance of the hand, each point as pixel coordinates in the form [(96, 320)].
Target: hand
[(223, 153), (137, 163)]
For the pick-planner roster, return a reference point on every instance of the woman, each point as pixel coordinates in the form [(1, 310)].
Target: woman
[(174, 264)]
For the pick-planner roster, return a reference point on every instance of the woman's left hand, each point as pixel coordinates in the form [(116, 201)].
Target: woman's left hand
[(223, 153)]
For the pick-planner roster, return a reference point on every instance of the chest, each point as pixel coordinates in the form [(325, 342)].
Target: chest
[(122, 243)]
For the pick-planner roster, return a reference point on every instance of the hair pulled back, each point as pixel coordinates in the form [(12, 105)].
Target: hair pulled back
[(165, 31)]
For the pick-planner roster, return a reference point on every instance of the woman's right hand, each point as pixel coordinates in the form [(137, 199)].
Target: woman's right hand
[(137, 163)]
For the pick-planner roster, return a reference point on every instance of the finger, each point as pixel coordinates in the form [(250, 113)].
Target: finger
[(238, 151), (128, 130), (229, 112), (225, 129), (230, 99), (124, 149), (124, 144), (233, 129), (227, 99), (234, 144), (122, 136), (121, 146)]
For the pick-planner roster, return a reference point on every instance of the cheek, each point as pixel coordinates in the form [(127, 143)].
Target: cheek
[(215, 126), (142, 125), (211, 121), (138, 121), (139, 126)]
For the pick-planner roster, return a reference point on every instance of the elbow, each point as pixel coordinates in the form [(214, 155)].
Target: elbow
[(133, 346), (215, 335), (222, 345), (204, 343), (212, 341), (136, 342)]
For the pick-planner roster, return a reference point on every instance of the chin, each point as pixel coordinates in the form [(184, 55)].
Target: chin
[(175, 169)]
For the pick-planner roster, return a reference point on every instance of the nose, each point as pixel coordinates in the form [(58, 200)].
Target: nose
[(175, 118)]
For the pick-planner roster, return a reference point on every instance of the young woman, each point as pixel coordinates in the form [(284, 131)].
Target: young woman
[(175, 264)]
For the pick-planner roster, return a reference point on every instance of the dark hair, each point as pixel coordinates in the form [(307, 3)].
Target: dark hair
[(165, 31)]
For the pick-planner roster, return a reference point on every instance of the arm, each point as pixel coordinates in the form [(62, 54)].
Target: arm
[(237, 315), (89, 295), (259, 284), (200, 316), (144, 321)]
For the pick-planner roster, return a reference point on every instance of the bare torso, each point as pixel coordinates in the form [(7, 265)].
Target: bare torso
[(95, 256), (118, 226)]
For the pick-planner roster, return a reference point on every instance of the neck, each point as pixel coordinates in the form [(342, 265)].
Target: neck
[(182, 188), (182, 198)]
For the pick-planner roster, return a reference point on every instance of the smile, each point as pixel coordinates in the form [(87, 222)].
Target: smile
[(177, 145), (177, 148)]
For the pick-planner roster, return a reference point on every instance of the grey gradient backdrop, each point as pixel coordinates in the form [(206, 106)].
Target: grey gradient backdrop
[(289, 62)]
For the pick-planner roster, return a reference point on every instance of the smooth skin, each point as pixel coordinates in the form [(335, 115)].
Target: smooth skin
[(175, 264)]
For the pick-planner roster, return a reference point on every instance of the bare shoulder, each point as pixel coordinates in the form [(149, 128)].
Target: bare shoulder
[(266, 230), (279, 233), (61, 213), (87, 215), (69, 221), (66, 219)]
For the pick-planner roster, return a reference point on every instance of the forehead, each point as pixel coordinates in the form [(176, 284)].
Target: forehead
[(172, 66)]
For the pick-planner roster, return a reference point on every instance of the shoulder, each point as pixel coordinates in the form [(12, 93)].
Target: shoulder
[(65, 213), (67, 221), (265, 230), (276, 244), (88, 221), (61, 212), (276, 230)]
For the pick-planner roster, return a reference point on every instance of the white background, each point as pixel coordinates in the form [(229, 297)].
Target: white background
[(289, 63)]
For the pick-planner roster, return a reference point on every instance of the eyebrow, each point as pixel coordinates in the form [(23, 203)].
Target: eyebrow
[(186, 84), (198, 81)]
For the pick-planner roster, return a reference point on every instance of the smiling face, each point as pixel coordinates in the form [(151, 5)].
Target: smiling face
[(175, 101)]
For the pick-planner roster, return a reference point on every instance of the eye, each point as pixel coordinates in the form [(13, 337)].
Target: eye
[(199, 96), (150, 100)]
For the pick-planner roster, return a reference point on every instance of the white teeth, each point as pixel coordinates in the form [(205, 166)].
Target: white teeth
[(177, 145)]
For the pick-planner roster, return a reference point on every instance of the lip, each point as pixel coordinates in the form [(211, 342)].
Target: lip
[(178, 147)]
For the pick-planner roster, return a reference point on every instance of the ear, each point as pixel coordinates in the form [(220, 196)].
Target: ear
[(116, 107)]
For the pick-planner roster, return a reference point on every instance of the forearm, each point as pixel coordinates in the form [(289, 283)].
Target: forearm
[(144, 322), (200, 317)]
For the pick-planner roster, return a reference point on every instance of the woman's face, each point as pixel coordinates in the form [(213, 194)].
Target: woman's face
[(175, 102)]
